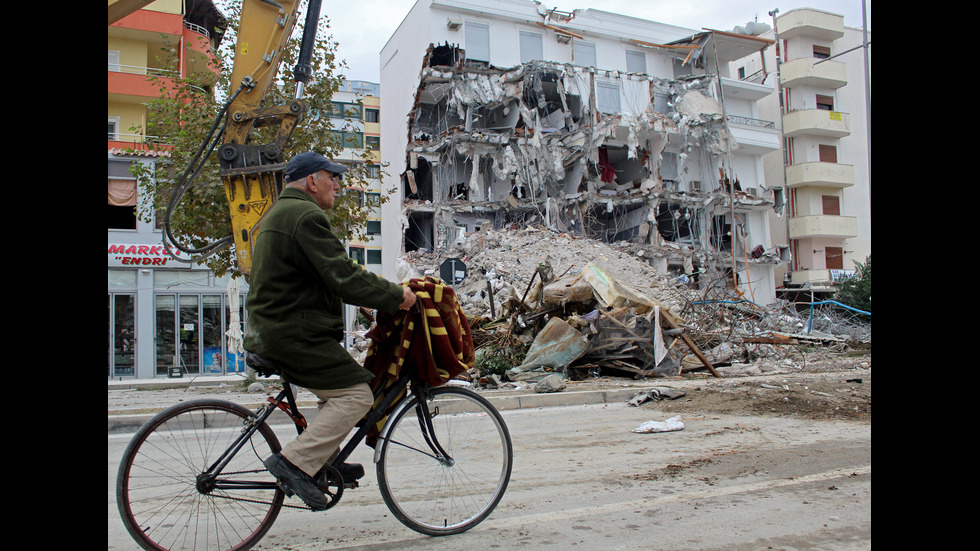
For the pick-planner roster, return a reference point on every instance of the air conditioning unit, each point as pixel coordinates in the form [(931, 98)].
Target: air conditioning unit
[(454, 23)]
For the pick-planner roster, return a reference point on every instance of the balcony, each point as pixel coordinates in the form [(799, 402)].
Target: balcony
[(822, 225), (830, 175), (744, 89), (816, 122), (754, 136), (810, 23), (805, 71)]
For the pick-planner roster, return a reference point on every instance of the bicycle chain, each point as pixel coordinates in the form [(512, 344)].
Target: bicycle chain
[(244, 500)]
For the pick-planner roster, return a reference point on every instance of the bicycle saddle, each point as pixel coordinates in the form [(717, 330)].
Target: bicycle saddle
[(263, 366)]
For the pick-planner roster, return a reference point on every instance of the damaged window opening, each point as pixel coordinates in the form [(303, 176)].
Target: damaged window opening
[(676, 223), (721, 233), (418, 182)]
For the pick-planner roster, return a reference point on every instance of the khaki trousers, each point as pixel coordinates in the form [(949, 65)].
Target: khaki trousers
[(338, 411)]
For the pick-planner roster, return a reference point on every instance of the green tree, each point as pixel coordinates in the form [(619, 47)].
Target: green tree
[(189, 109), (856, 291)]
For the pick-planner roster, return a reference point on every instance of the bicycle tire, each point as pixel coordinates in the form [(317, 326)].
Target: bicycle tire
[(156, 487), (430, 496)]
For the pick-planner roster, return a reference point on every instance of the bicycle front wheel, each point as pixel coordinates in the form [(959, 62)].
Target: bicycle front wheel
[(167, 499), (438, 493)]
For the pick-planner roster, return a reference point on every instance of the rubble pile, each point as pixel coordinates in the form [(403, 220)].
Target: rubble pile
[(541, 302)]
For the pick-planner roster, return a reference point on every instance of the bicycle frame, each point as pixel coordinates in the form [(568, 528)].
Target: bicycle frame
[(210, 480)]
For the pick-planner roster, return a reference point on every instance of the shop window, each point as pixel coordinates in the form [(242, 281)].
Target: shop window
[(122, 335)]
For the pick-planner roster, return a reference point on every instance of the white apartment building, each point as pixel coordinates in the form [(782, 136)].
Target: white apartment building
[(356, 116), (824, 165), (508, 113)]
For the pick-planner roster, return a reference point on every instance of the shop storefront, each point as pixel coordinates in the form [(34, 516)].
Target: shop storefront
[(167, 319)]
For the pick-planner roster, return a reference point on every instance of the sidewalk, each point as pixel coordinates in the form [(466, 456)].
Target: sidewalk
[(132, 402)]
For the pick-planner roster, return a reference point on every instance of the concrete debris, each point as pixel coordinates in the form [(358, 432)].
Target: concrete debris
[(656, 393), (551, 383), (598, 214)]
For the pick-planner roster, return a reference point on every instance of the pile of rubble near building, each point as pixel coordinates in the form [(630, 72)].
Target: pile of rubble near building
[(540, 302)]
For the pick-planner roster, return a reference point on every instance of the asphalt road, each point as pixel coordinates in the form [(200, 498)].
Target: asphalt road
[(583, 480)]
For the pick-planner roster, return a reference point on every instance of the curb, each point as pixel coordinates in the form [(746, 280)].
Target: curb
[(130, 423)]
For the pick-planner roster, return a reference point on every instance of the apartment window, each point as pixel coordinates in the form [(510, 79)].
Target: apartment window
[(636, 62), (825, 103), (349, 139), (584, 53), (741, 73), (374, 227), (828, 154), (531, 48), (834, 258), (339, 110), (114, 60), (374, 256), (607, 97), (113, 128), (821, 52), (371, 115), (357, 254), (831, 205), (477, 41)]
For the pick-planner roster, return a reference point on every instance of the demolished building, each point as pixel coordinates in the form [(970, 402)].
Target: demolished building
[(609, 154)]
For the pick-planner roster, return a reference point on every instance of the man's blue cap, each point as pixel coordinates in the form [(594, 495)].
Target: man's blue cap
[(310, 162)]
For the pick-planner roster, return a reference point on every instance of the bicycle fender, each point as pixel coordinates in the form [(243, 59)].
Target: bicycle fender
[(383, 437)]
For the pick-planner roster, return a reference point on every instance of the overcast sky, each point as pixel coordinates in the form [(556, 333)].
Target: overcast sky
[(362, 28)]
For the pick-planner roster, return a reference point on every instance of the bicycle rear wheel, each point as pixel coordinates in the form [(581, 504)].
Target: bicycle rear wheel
[(437, 495), (165, 500)]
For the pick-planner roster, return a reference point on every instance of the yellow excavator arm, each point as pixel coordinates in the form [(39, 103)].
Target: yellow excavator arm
[(252, 174)]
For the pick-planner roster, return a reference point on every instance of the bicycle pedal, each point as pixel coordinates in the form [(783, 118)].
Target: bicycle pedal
[(351, 485)]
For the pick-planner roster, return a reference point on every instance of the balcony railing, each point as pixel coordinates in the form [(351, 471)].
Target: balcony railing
[(746, 121), (138, 70)]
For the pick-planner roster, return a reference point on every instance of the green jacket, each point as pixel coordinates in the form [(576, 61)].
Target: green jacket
[(301, 276)]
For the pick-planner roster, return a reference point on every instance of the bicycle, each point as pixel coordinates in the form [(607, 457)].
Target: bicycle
[(193, 477)]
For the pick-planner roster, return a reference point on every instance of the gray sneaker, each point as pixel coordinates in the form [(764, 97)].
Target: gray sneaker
[(293, 480)]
